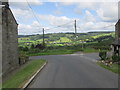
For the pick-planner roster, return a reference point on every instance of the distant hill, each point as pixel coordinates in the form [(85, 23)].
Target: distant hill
[(102, 32), (62, 38)]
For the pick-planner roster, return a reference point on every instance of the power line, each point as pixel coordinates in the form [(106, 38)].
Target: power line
[(102, 27), (33, 12), (39, 21), (108, 26), (60, 25), (57, 26)]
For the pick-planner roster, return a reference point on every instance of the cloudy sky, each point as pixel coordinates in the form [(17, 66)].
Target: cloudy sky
[(56, 16)]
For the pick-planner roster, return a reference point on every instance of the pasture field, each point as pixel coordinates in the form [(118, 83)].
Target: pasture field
[(62, 43)]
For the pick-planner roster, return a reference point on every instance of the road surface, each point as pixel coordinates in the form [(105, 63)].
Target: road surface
[(73, 71)]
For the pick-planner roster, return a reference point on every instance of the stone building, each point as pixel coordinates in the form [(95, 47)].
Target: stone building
[(8, 41), (116, 44)]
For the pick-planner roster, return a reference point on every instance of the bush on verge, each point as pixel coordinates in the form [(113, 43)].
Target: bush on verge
[(103, 55)]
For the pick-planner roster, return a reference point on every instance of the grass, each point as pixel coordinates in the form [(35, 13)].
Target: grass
[(53, 52), (0, 86), (65, 39), (114, 68), (90, 50), (60, 51), (20, 77)]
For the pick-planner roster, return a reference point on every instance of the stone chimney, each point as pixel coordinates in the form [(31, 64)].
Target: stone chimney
[(5, 3)]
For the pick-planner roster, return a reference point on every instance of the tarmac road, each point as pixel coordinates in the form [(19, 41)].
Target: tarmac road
[(73, 71)]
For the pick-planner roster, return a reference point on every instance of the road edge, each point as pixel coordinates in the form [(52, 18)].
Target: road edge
[(30, 80)]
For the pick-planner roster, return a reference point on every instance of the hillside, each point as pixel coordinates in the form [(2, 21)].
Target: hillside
[(66, 38)]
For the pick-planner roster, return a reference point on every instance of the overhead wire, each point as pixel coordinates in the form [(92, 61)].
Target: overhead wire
[(33, 13), (55, 26), (102, 27), (59, 25), (39, 21)]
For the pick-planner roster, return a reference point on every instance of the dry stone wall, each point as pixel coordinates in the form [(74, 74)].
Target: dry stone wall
[(8, 41)]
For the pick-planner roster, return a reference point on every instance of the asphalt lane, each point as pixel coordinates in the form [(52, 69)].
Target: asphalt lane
[(73, 71)]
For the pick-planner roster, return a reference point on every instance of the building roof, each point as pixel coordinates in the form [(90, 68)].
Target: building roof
[(7, 6), (117, 22)]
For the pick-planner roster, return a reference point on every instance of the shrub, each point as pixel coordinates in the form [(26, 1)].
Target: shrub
[(23, 58), (40, 46), (32, 46), (116, 58), (34, 50), (103, 55), (23, 48)]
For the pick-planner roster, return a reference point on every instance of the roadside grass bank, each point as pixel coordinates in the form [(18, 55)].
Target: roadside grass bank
[(114, 67), (53, 52), (22, 76), (90, 50), (0, 85), (62, 51)]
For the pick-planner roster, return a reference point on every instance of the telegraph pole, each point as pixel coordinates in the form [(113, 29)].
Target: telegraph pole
[(43, 37), (75, 28)]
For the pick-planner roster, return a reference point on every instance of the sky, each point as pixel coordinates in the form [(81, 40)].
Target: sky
[(59, 16)]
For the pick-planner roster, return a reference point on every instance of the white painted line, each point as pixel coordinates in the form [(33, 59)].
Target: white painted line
[(29, 81), (76, 54)]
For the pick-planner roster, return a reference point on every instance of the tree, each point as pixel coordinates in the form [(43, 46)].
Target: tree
[(32, 46)]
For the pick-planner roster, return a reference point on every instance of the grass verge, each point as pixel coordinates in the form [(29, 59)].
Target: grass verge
[(114, 67), (53, 52), (61, 51), (90, 50), (21, 77)]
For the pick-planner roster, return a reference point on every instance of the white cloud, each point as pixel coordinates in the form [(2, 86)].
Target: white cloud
[(64, 0), (66, 25), (89, 17), (69, 2), (33, 28), (86, 5), (21, 13), (32, 2), (22, 4), (108, 12), (89, 26), (54, 20)]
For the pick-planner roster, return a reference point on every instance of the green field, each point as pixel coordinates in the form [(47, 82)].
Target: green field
[(67, 43), (63, 38)]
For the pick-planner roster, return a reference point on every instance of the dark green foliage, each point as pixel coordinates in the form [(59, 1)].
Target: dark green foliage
[(102, 38), (23, 48), (40, 46), (54, 38), (35, 50), (86, 42), (23, 58), (36, 37), (32, 46), (20, 48), (103, 55), (116, 58)]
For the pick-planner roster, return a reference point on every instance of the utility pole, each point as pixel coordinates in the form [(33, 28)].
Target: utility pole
[(75, 28), (43, 37)]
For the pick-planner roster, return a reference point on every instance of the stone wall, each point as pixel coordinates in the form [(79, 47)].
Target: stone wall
[(117, 30), (9, 41), (0, 44)]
